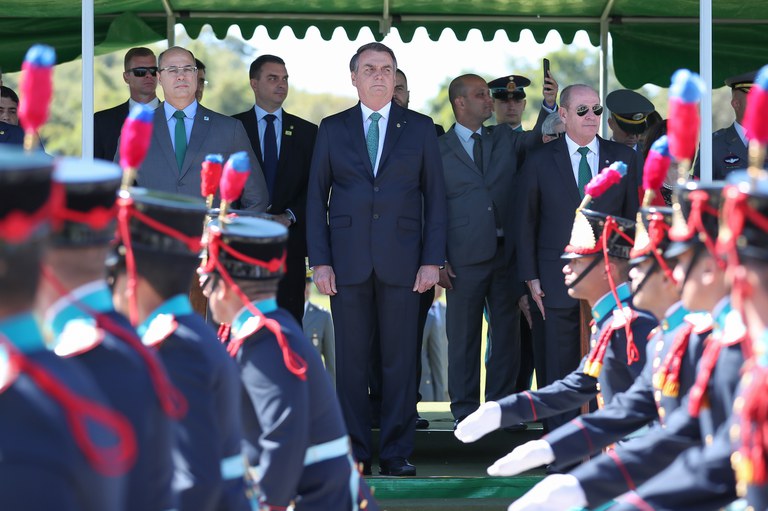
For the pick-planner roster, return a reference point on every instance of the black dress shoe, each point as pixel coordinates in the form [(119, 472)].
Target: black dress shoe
[(421, 422), (396, 467), (515, 428), (456, 422)]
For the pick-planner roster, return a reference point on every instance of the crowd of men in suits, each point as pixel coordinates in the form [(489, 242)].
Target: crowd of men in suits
[(385, 210)]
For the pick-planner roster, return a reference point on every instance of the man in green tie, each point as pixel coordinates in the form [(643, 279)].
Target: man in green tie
[(551, 188), (185, 132)]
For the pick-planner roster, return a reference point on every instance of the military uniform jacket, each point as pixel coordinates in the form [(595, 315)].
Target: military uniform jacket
[(42, 467), (318, 327), (208, 457), (294, 432), (643, 403), (124, 379), (686, 464), (578, 388)]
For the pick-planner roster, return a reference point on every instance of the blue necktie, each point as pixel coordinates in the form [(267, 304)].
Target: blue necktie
[(372, 139), (585, 173), (180, 138), (270, 153)]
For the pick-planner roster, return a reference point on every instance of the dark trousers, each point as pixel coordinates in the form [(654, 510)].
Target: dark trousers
[(359, 311), (527, 360), (485, 285), (290, 290), (561, 352)]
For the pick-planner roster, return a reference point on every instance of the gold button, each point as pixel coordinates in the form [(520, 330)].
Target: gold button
[(735, 431), (708, 440), (598, 386), (657, 396), (656, 362), (662, 412), (738, 404)]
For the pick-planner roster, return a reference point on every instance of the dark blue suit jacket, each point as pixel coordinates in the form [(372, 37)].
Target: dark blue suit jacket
[(392, 223), (10, 134), (548, 201)]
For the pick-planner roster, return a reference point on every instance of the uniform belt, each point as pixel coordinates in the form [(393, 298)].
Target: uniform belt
[(232, 467), (327, 451)]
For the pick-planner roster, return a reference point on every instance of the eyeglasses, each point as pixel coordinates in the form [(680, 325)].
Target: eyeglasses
[(176, 70), (141, 72), (582, 110)]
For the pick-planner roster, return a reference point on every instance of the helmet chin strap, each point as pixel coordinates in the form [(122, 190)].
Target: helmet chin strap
[(655, 266), (697, 251), (588, 269)]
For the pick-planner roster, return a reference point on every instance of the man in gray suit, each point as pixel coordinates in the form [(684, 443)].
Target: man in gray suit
[(185, 132), (318, 327), (480, 167), (434, 353)]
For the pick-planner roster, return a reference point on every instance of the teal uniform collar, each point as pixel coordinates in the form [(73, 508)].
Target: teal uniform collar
[(177, 306), (264, 306), (674, 317), (605, 305), (761, 350), (23, 331), (95, 296), (721, 311)]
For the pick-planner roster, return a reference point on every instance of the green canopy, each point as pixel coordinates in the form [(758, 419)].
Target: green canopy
[(650, 38)]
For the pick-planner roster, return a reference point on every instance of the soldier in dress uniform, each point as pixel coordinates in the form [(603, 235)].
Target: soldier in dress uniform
[(508, 94), (745, 239), (160, 238), (295, 438), (618, 339), (629, 121), (318, 327), (76, 304), (44, 462), (683, 465)]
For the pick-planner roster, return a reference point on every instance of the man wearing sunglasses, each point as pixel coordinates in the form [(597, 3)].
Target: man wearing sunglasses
[(552, 186), (140, 74)]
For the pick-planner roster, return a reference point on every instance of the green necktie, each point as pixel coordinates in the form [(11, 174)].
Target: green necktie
[(585, 173), (372, 139), (180, 138)]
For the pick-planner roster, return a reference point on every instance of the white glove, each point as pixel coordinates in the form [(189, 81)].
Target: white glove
[(558, 492), (485, 419), (524, 457)]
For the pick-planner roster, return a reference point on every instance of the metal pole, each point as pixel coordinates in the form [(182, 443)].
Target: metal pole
[(87, 80), (604, 63), (170, 23), (705, 65)]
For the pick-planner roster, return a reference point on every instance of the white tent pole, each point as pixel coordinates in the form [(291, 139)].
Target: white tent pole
[(87, 79), (705, 65), (604, 63), (170, 23)]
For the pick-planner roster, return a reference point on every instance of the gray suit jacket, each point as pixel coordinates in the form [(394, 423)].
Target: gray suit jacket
[(434, 357), (211, 133), (318, 327)]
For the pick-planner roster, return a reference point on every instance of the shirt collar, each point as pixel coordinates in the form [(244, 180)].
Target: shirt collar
[(23, 331), (605, 305), (264, 306), (573, 146), (189, 112), (465, 133), (260, 113), (674, 317), (152, 104), (367, 111), (94, 296), (177, 306), (740, 131)]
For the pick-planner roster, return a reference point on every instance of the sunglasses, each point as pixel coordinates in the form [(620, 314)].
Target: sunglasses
[(582, 110), (553, 135), (141, 72)]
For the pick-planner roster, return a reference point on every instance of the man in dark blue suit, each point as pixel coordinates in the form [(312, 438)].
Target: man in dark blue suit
[(375, 245), (10, 134), (553, 179)]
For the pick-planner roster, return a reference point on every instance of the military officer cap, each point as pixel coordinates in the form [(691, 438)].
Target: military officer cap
[(249, 248), (745, 216), (742, 82), (629, 110), (588, 232), (163, 226), (88, 215), (695, 216), (509, 87), (651, 234), (27, 197)]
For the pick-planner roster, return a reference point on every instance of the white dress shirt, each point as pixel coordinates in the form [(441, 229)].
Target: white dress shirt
[(382, 128)]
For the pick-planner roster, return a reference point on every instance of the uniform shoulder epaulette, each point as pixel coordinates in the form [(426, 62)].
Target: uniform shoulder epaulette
[(250, 327), (159, 329), (702, 322), (79, 336), (733, 330), (623, 316)]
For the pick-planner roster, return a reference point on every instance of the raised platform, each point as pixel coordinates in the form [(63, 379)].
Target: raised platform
[(452, 475)]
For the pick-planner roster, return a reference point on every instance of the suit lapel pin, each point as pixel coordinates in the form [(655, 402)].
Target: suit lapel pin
[(205, 118), (398, 124), (288, 132)]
